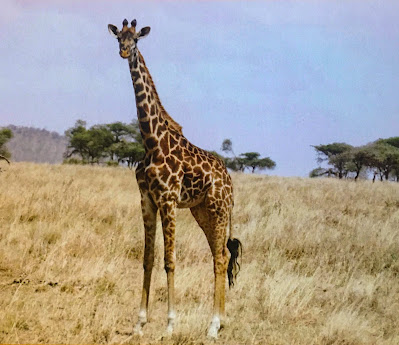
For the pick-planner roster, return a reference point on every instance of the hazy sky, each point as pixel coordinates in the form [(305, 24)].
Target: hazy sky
[(274, 76)]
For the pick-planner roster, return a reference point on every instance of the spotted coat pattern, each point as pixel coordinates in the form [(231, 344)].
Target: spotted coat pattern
[(175, 174)]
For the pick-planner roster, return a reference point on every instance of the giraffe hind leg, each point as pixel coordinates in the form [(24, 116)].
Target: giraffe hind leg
[(214, 225)]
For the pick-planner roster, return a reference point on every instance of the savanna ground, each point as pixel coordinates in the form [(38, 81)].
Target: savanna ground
[(320, 262)]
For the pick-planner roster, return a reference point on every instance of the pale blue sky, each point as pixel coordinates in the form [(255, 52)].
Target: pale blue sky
[(274, 76)]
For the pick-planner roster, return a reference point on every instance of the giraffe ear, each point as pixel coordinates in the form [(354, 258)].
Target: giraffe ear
[(113, 30), (144, 32)]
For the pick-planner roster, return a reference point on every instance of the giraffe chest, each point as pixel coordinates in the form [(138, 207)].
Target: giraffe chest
[(194, 188), (187, 187)]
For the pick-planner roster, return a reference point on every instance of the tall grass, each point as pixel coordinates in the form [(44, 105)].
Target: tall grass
[(320, 262)]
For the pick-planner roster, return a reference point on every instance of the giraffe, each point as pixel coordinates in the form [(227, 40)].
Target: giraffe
[(177, 174)]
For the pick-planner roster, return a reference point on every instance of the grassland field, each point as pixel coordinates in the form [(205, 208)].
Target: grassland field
[(320, 261)]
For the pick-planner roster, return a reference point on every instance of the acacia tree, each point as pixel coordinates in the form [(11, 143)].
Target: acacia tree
[(100, 141), (393, 141), (384, 159), (360, 158), (131, 152), (227, 146), (78, 141), (337, 155), (122, 132), (90, 144), (116, 140), (5, 135), (253, 161)]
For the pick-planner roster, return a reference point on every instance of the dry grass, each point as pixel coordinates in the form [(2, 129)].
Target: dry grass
[(320, 262)]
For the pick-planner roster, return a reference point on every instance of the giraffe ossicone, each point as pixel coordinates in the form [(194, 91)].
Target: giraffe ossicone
[(177, 174)]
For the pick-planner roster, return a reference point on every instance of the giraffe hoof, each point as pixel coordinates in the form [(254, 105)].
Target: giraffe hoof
[(167, 334), (138, 330), (214, 328), (213, 333), (169, 330)]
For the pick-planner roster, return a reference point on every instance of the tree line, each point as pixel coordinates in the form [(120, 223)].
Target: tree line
[(5, 135), (379, 158), (113, 143), (119, 142)]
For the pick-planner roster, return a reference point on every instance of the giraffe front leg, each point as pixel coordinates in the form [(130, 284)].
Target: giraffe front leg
[(168, 216), (149, 218)]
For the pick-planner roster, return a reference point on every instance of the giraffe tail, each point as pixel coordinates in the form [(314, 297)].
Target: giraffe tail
[(235, 248)]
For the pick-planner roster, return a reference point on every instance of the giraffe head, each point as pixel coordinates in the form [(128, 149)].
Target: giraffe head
[(128, 37)]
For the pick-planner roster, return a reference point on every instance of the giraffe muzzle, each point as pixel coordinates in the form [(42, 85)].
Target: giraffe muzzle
[(124, 53)]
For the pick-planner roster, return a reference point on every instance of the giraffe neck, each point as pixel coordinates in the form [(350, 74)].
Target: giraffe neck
[(152, 116)]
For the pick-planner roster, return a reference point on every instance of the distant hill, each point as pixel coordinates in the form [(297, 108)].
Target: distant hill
[(36, 145)]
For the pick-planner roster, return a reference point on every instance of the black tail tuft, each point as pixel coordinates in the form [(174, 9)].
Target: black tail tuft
[(235, 248)]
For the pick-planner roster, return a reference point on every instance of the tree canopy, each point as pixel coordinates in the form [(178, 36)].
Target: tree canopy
[(5, 135), (381, 158), (248, 160), (116, 141)]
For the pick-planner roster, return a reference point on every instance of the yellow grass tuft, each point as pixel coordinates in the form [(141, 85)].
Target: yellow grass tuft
[(320, 261)]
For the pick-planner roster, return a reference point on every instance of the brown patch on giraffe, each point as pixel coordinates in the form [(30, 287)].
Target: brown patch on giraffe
[(173, 180), (135, 74), (197, 171), (199, 159), (145, 107), (161, 129), (177, 152), (218, 183), (206, 167), (151, 172), (141, 113), (173, 164), (190, 160), (145, 126), (154, 185), (172, 141), (138, 87), (150, 143), (140, 98), (157, 156), (183, 142), (164, 144), (153, 109), (164, 172)]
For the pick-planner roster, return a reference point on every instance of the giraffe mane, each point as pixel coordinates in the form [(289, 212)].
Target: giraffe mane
[(171, 122)]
